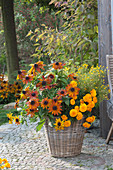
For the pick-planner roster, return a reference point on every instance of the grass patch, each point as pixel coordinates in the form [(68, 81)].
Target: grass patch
[(4, 112)]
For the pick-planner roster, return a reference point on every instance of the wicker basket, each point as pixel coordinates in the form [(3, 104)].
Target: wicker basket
[(67, 142)]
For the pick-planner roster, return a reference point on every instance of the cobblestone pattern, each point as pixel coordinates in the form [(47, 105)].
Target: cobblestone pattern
[(26, 149)]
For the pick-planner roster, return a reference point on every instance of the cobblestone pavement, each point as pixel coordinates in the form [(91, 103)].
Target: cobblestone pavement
[(26, 149)]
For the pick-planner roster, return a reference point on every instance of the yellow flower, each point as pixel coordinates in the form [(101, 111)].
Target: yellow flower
[(4, 160), (86, 125), (7, 165), (95, 99), (0, 161), (64, 117), (73, 83), (93, 93), (2, 167), (73, 112), (77, 108), (87, 98), (59, 124), (72, 101), (79, 116), (91, 104), (83, 107), (10, 118), (67, 123)]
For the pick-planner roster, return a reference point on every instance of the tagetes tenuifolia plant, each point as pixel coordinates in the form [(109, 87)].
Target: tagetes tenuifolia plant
[(4, 164), (50, 92)]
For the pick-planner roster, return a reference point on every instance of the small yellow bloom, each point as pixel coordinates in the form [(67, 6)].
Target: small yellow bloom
[(72, 102), (83, 107), (64, 117), (4, 160), (67, 123), (86, 125), (7, 165), (73, 112), (79, 116), (0, 161), (74, 83), (93, 93)]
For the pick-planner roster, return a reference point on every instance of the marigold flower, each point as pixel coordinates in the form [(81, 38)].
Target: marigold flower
[(91, 104), (73, 83), (67, 123), (95, 99), (64, 117), (73, 112), (0, 160), (87, 98), (93, 93), (72, 102), (79, 116), (4, 160), (77, 108), (86, 125), (2, 167), (59, 125), (83, 107), (7, 165)]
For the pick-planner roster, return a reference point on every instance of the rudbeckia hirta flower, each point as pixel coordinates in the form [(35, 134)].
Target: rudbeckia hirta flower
[(28, 78), (59, 125), (17, 120), (73, 83), (45, 103), (72, 90), (55, 108), (33, 103), (10, 118), (38, 66), (62, 92), (58, 65), (21, 74), (73, 112), (83, 107)]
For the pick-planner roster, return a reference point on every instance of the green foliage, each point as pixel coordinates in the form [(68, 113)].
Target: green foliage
[(76, 40)]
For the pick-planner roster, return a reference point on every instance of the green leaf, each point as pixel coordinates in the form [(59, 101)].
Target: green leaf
[(40, 125), (67, 101)]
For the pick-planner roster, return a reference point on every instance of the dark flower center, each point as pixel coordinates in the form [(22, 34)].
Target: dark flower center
[(57, 63), (32, 102), (36, 65), (4, 82), (24, 92), (55, 100), (18, 91), (27, 78), (54, 107), (1, 87), (51, 76), (33, 94), (72, 89), (75, 77), (43, 82), (45, 102), (17, 120), (31, 110), (62, 92), (19, 72), (8, 119), (19, 87), (59, 124)]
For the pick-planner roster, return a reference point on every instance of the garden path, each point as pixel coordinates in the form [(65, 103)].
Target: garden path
[(26, 149)]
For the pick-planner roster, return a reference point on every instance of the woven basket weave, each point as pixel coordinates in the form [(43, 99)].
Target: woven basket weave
[(67, 142)]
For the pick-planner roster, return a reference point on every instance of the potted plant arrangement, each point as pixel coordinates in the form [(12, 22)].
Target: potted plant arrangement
[(62, 101)]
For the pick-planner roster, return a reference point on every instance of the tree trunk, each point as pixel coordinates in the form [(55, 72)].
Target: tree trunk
[(10, 38)]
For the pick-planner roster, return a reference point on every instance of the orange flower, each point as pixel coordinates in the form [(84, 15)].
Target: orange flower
[(73, 83), (21, 74), (72, 76), (72, 91), (73, 112), (16, 120), (64, 117), (55, 108), (31, 112), (93, 93), (45, 103), (28, 78), (7, 165), (91, 104), (95, 99), (83, 107), (90, 119), (72, 102), (87, 98), (79, 116), (67, 123), (33, 103), (77, 108), (58, 65), (62, 92), (86, 125)]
